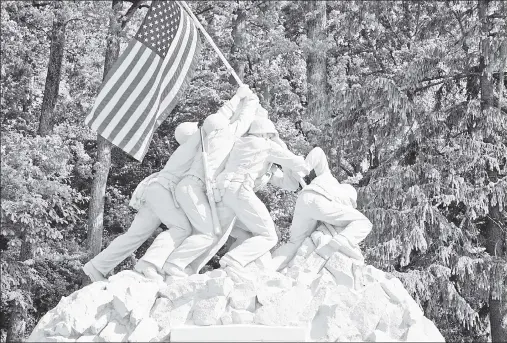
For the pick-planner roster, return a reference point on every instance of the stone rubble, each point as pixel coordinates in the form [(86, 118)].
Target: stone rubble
[(332, 296)]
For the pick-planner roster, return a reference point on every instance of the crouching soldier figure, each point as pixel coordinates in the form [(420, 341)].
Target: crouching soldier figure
[(333, 204)]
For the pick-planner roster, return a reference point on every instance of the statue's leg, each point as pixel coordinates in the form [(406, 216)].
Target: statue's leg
[(162, 203), (191, 196), (252, 212), (142, 227), (355, 224), (358, 228), (240, 234), (226, 217), (302, 226)]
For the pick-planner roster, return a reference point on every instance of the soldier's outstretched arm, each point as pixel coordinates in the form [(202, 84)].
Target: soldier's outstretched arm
[(223, 117), (284, 179), (286, 158), (230, 107), (317, 160), (246, 116), (279, 141)]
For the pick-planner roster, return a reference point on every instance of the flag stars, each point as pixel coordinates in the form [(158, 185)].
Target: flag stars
[(159, 27)]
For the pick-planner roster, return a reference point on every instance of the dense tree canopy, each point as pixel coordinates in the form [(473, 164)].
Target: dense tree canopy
[(407, 98)]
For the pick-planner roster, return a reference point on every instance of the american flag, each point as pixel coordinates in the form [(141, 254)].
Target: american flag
[(143, 85)]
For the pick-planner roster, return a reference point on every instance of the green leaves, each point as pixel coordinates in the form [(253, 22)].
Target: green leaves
[(36, 197), (406, 95)]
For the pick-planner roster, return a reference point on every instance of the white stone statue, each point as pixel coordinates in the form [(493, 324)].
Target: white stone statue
[(326, 293), (155, 202), (220, 134), (327, 201), (238, 232), (251, 157)]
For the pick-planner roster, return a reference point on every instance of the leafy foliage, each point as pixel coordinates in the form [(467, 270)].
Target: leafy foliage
[(37, 200)]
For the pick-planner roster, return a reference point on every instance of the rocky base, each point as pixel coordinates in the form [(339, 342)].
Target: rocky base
[(334, 297)]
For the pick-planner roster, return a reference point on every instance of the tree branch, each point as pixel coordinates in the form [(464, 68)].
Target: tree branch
[(420, 89), (130, 12), (39, 4), (462, 28), (72, 19), (256, 4), (496, 15), (418, 15), (441, 78), (374, 72), (204, 10), (346, 167), (46, 33)]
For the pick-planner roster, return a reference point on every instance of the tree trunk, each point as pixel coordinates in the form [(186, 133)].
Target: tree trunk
[(50, 96), (17, 323), (238, 46), (265, 87), (316, 68), (98, 190), (26, 251), (495, 245), (117, 22), (17, 326), (486, 79), (52, 86), (265, 92)]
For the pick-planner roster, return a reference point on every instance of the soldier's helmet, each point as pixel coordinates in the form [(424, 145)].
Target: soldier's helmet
[(184, 131), (262, 125), (261, 111)]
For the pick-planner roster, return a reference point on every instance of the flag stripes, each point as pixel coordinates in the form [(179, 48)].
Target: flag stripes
[(183, 82), (170, 92), (171, 69), (146, 81)]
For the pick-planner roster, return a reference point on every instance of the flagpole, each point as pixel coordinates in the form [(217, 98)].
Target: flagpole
[(210, 40)]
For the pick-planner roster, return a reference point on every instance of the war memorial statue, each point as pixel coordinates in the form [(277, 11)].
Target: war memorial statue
[(314, 287), (235, 153)]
